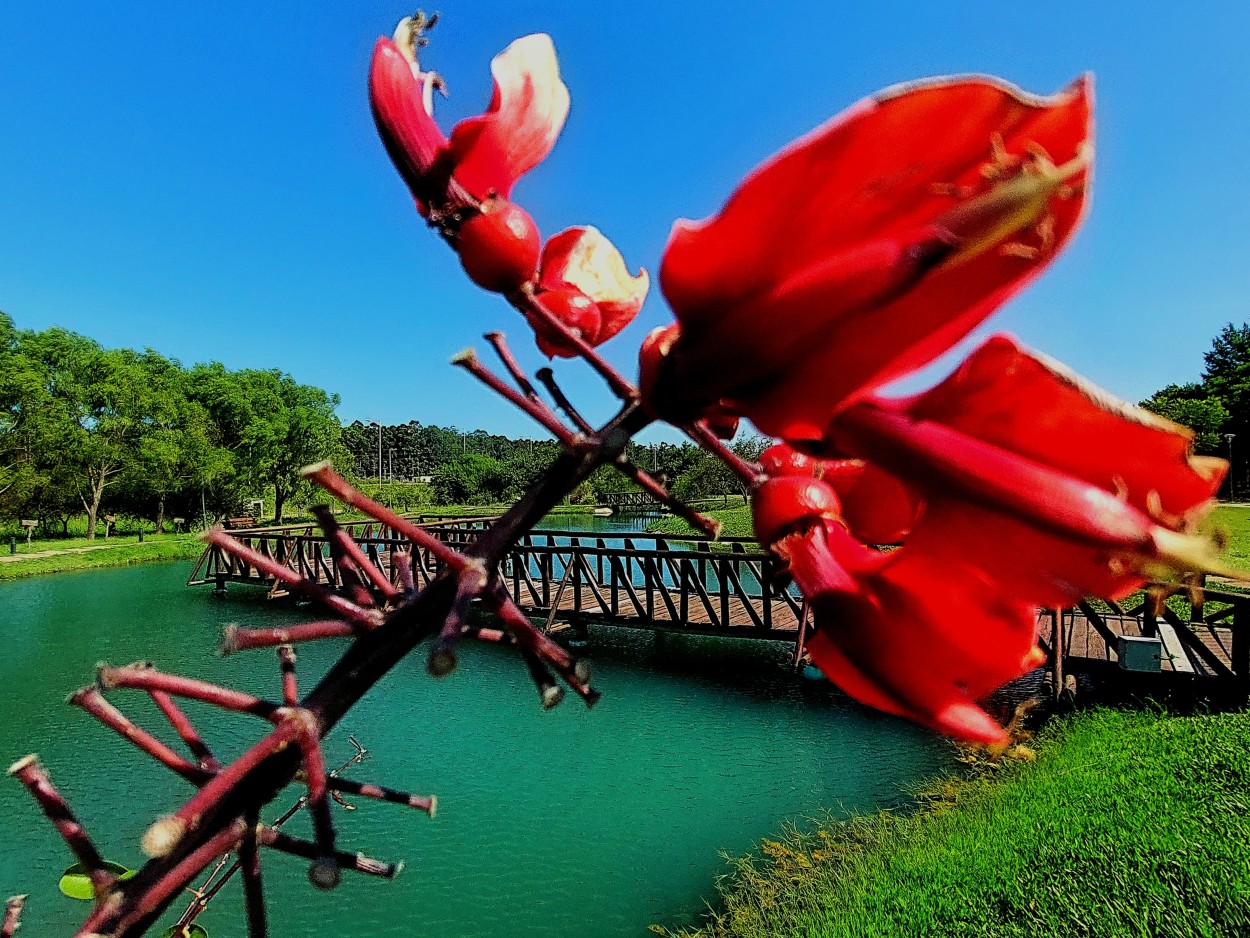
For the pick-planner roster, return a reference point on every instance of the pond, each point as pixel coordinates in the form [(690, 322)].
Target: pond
[(556, 823)]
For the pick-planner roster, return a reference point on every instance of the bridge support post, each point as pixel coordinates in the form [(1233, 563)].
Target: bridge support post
[(1241, 648), (1058, 649), (219, 584)]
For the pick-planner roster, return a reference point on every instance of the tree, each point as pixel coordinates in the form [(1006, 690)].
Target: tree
[(272, 425), (1191, 406), (1227, 375)]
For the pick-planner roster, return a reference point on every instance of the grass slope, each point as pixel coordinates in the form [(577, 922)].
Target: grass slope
[(155, 548), (736, 522), (1128, 824)]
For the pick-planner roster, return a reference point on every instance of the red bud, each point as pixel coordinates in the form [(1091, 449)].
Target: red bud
[(573, 308), (782, 503), (499, 248)]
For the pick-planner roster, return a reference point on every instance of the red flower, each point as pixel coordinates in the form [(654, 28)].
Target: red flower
[(585, 283), (485, 155), (1036, 490), (462, 183), (869, 247), (1052, 486), (906, 632)]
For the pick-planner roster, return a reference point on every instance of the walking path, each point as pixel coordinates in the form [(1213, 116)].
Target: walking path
[(9, 558)]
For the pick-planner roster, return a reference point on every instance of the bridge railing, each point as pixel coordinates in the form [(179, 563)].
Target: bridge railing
[(648, 577), (1208, 638), (630, 578)]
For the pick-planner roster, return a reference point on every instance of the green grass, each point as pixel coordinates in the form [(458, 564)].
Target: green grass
[(1128, 824), (1233, 523), (736, 521), (118, 552)]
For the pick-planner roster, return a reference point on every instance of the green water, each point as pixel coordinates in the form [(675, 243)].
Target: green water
[(561, 823)]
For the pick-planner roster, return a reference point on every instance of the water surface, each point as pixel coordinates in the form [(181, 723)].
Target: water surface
[(558, 824)]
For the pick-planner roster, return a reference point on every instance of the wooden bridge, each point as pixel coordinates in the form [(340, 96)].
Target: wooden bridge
[(629, 501), (692, 586), (638, 580)]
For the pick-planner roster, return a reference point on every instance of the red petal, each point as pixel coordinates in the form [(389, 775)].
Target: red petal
[(583, 258), (877, 507), (943, 463), (412, 139), (866, 179), (926, 639), (1023, 402), (518, 130), (1030, 564)]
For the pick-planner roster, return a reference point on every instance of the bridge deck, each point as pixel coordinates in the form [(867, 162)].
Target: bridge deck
[(653, 582)]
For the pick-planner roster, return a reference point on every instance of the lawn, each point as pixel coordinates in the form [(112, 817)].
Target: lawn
[(1127, 824), (113, 552)]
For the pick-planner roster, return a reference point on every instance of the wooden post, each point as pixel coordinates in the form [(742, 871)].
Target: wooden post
[(1241, 647), (1058, 649)]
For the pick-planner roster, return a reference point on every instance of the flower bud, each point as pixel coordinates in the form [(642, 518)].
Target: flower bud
[(782, 504), (573, 308), (499, 247)]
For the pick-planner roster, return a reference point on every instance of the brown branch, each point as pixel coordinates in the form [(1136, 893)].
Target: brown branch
[(12, 916), (186, 731), (325, 476), (548, 379), (30, 773), (236, 638), (364, 663), (310, 851), (469, 361), (253, 885), (143, 676), (91, 700), (530, 304)]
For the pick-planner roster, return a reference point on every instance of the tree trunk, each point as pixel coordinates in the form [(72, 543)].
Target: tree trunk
[(279, 499), (93, 509), (160, 516)]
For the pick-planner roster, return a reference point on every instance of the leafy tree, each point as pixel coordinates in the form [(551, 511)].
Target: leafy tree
[(1227, 375), (473, 478), (1190, 405), (272, 425)]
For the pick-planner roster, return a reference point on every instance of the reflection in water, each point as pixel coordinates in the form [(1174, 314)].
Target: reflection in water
[(562, 823)]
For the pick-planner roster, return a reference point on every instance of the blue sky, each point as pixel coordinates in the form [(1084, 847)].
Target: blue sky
[(213, 188)]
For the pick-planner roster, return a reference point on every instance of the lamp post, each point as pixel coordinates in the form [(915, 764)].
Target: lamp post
[(1232, 491)]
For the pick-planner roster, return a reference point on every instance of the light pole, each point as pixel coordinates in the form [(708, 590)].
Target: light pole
[(1232, 491)]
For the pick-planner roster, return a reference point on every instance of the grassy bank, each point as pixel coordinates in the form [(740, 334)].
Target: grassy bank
[(111, 553), (736, 521), (1127, 824)]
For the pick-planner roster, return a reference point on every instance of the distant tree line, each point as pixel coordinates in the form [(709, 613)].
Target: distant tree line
[(89, 430), (477, 468), (1217, 407)]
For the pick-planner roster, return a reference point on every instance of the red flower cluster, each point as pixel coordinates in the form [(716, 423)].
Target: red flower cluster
[(1011, 485), (868, 248), (463, 184), (857, 255)]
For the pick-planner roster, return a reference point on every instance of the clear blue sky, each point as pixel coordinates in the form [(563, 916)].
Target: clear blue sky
[(213, 188)]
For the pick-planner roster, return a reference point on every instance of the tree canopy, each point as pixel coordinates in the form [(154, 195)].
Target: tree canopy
[(84, 429)]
